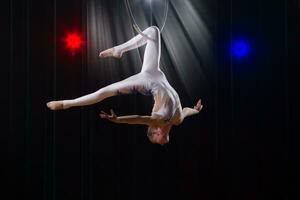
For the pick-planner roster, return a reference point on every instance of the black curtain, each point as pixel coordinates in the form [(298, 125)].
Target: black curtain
[(241, 146)]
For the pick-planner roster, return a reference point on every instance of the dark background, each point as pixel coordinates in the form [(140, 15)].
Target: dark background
[(242, 146)]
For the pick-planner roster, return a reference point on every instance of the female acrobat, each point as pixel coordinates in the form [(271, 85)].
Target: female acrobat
[(167, 110)]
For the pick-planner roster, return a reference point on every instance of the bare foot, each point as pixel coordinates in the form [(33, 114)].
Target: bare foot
[(110, 53), (198, 106), (55, 105)]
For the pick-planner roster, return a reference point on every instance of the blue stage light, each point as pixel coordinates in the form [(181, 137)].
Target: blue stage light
[(240, 48)]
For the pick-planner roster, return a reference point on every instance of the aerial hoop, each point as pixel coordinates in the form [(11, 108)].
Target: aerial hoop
[(136, 26)]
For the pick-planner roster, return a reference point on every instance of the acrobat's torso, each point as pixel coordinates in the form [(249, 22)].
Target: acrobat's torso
[(167, 104)]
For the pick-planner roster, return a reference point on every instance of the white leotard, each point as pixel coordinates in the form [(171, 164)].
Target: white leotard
[(166, 101), (150, 81)]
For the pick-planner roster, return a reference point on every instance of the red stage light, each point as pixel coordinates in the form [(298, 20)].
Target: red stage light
[(73, 41)]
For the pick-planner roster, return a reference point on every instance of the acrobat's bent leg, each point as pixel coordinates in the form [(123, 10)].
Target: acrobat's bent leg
[(152, 51), (139, 40), (122, 87)]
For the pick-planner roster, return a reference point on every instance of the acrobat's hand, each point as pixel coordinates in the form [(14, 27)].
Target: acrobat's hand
[(111, 117), (198, 106)]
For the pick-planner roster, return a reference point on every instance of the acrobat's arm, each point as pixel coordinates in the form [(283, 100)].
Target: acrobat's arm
[(187, 112), (130, 119)]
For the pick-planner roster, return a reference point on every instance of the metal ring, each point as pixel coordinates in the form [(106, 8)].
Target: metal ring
[(136, 26)]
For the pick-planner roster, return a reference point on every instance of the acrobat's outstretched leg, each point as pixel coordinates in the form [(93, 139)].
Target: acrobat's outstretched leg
[(127, 86)]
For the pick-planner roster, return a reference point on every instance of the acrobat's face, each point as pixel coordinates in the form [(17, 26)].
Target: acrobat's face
[(159, 135)]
